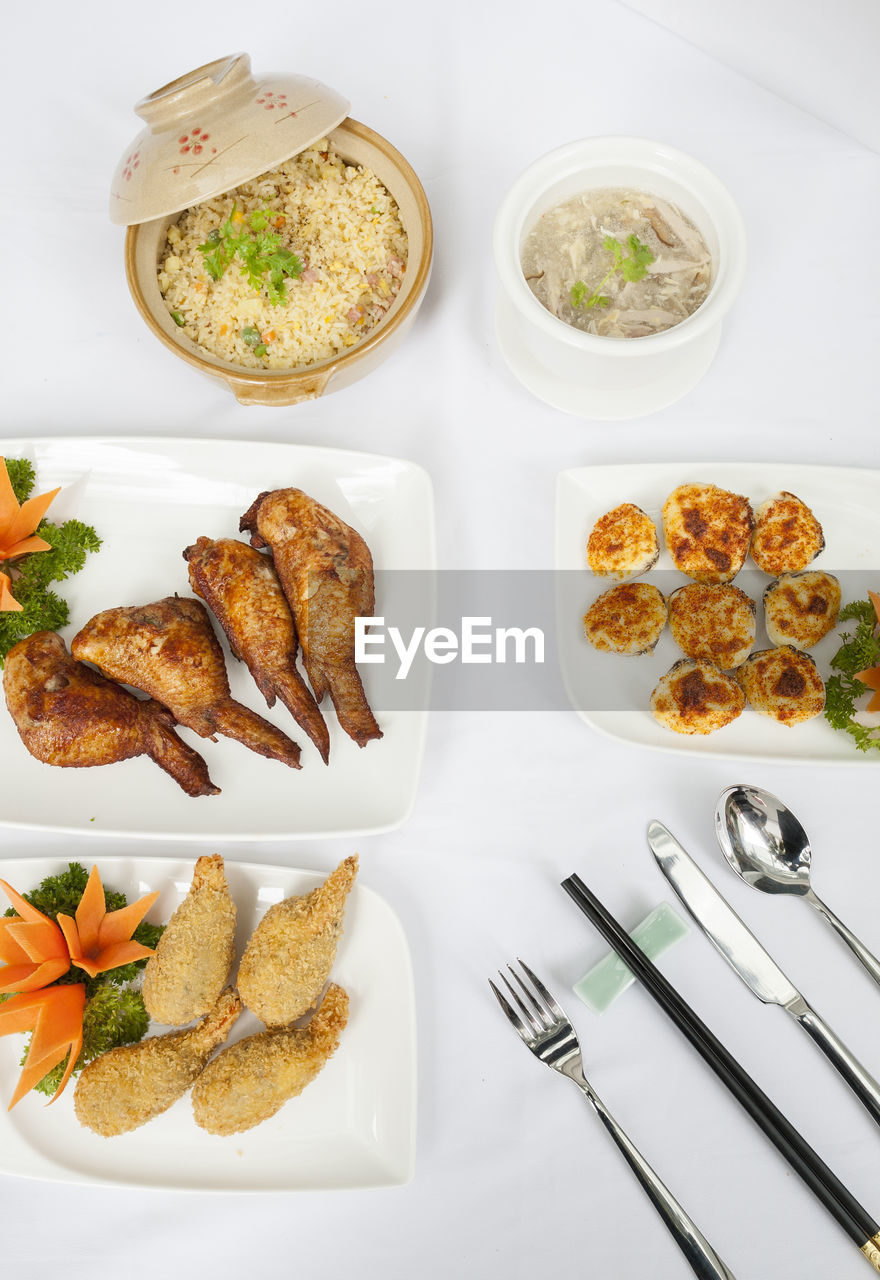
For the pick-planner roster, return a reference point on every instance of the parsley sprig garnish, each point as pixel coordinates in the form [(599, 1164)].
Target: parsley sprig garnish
[(259, 250), (859, 651), (632, 266)]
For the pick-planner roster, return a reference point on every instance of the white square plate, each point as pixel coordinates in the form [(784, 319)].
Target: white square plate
[(148, 500), (846, 501), (353, 1126)]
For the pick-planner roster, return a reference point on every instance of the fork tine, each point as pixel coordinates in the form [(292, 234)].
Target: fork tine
[(514, 1017), (542, 990), (545, 1020), (537, 1028)]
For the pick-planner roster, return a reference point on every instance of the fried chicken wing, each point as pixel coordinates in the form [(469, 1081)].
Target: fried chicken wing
[(191, 963), (241, 588), (251, 1080), (69, 715), (169, 650), (290, 953), (126, 1087), (326, 571)]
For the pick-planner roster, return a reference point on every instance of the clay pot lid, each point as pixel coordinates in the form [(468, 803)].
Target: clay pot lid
[(214, 128)]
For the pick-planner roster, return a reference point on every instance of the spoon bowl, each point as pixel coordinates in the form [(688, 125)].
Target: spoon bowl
[(767, 846), (763, 840)]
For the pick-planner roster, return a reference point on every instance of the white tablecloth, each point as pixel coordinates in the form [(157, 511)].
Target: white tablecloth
[(513, 1176)]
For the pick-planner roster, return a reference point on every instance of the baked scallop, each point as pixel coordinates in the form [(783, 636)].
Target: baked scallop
[(801, 608), (715, 621), (626, 619), (696, 697), (707, 531), (623, 543), (784, 684), (787, 536)]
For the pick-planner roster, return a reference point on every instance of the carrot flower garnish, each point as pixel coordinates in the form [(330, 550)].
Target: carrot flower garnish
[(37, 952), (55, 1016), (99, 940), (18, 522), (32, 947)]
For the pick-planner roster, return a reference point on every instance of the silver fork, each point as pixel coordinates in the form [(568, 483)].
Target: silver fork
[(546, 1030)]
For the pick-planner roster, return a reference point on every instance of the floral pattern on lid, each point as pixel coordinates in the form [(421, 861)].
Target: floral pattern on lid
[(214, 128)]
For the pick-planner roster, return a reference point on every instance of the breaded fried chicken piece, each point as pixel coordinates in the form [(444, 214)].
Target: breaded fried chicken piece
[(241, 588), (252, 1079), (186, 973), (69, 715), (290, 953), (126, 1087)]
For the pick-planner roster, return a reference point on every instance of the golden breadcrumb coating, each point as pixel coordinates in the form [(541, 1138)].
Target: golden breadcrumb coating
[(626, 619), (783, 683), (713, 620), (623, 543), (695, 697), (250, 1080), (707, 531), (801, 608), (191, 963), (787, 535), (126, 1087), (290, 953)]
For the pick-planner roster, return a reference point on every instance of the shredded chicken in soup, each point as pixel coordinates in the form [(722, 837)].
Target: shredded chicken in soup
[(617, 263)]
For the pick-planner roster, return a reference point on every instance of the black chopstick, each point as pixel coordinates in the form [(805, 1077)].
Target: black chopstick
[(825, 1185)]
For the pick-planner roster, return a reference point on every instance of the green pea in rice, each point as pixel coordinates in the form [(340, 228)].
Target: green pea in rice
[(338, 219)]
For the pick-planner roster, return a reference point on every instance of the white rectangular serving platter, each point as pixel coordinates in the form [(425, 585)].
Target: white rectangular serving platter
[(846, 501), (148, 499), (353, 1126)]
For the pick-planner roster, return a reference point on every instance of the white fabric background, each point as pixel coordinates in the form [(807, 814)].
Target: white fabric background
[(513, 1174)]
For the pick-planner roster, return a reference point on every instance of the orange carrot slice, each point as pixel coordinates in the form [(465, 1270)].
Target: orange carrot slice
[(871, 678), (55, 1017), (8, 602), (32, 947)]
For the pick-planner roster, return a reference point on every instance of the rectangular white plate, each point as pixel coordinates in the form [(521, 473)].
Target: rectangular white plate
[(353, 1126), (148, 500), (846, 501)]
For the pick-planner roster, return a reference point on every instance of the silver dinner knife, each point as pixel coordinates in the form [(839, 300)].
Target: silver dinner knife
[(745, 955)]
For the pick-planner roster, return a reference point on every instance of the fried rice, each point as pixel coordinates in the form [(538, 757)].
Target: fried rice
[(342, 224)]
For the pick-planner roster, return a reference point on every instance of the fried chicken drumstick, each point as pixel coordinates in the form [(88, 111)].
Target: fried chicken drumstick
[(290, 953), (326, 571), (126, 1087), (187, 971), (69, 715), (169, 650), (252, 1079), (241, 588)]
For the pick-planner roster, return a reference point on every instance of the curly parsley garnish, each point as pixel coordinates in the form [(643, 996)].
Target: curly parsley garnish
[(859, 651), (258, 248), (632, 266)]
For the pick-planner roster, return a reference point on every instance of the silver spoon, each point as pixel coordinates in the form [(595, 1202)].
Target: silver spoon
[(766, 845)]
